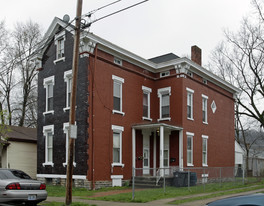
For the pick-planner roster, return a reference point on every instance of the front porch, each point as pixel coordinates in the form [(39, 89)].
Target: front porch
[(156, 148)]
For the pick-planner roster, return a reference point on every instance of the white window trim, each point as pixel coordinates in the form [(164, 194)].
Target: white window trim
[(66, 132), (121, 81), (47, 81), (205, 97), (190, 91), (67, 75), (46, 129), (191, 135), (61, 35), (147, 91), (118, 129), (166, 90), (205, 137)]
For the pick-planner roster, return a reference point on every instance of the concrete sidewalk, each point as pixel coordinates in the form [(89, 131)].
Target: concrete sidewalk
[(161, 202)]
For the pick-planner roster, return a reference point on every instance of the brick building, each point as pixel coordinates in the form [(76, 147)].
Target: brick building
[(131, 112)]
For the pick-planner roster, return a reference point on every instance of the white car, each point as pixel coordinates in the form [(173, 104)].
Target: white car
[(18, 187)]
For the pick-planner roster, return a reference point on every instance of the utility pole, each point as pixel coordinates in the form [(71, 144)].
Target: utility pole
[(73, 130)]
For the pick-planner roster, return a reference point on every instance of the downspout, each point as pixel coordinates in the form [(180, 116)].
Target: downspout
[(92, 129)]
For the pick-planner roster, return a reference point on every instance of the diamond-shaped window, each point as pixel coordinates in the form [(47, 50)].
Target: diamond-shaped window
[(213, 106)]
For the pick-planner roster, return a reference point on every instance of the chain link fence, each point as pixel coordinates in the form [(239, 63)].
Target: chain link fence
[(190, 178)]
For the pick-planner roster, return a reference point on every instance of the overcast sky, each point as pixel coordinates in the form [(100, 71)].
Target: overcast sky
[(151, 29)]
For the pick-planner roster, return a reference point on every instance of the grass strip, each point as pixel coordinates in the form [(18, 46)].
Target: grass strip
[(217, 194)]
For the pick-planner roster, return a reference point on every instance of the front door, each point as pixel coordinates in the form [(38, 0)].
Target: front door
[(146, 155)]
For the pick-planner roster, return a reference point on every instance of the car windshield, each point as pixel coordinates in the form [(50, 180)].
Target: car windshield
[(13, 174)]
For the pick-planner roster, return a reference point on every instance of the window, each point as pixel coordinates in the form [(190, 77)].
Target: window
[(118, 61), (165, 74), (59, 42), (117, 94), (66, 132), (189, 149), (164, 95), (117, 145), (48, 132), (146, 103), (48, 84), (204, 108), (205, 139), (68, 80), (190, 103)]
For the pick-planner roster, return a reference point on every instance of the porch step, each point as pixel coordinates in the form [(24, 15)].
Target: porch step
[(150, 182)]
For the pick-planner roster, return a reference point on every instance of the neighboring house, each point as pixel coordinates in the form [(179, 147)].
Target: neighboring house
[(19, 151), (239, 159), (131, 112)]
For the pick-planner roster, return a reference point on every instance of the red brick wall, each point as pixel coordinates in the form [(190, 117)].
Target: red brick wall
[(220, 128)]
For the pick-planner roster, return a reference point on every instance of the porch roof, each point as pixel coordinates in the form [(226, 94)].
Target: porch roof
[(156, 126)]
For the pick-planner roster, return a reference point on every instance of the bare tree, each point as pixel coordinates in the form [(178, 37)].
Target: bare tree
[(26, 38), (240, 60)]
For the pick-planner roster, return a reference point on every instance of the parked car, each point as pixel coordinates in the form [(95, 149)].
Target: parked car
[(18, 187), (245, 200)]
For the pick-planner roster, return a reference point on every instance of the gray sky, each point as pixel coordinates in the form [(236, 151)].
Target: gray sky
[(151, 29)]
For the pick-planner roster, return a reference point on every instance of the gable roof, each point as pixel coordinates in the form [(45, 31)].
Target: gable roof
[(22, 134)]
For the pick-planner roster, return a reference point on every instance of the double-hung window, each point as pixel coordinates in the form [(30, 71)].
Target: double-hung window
[(189, 103), (204, 152), (59, 42), (189, 148), (146, 102), (204, 108), (117, 94), (68, 80), (66, 130), (48, 132), (48, 84), (164, 96), (117, 145)]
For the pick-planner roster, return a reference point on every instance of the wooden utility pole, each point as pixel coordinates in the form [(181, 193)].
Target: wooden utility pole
[(73, 130)]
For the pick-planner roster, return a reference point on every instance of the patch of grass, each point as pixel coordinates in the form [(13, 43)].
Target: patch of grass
[(202, 197), (60, 191), (63, 204), (173, 192)]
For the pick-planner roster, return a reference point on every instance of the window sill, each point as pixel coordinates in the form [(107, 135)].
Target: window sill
[(48, 164), (118, 112), (146, 118), (204, 165), (189, 165), (118, 165), (48, 112), (205, 123), (59, 60), (65, 164), (190, 119), (66, 109), (164, 119)]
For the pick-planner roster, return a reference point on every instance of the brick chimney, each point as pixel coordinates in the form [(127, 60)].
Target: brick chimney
[(196, 55)]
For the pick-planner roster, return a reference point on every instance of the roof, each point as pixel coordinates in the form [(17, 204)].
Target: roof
[(156, 64), (22, 134), (164, 58)]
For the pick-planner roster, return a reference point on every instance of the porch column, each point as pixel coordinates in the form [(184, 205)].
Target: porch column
[(161, 150), (133, 148), (181, 150)]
